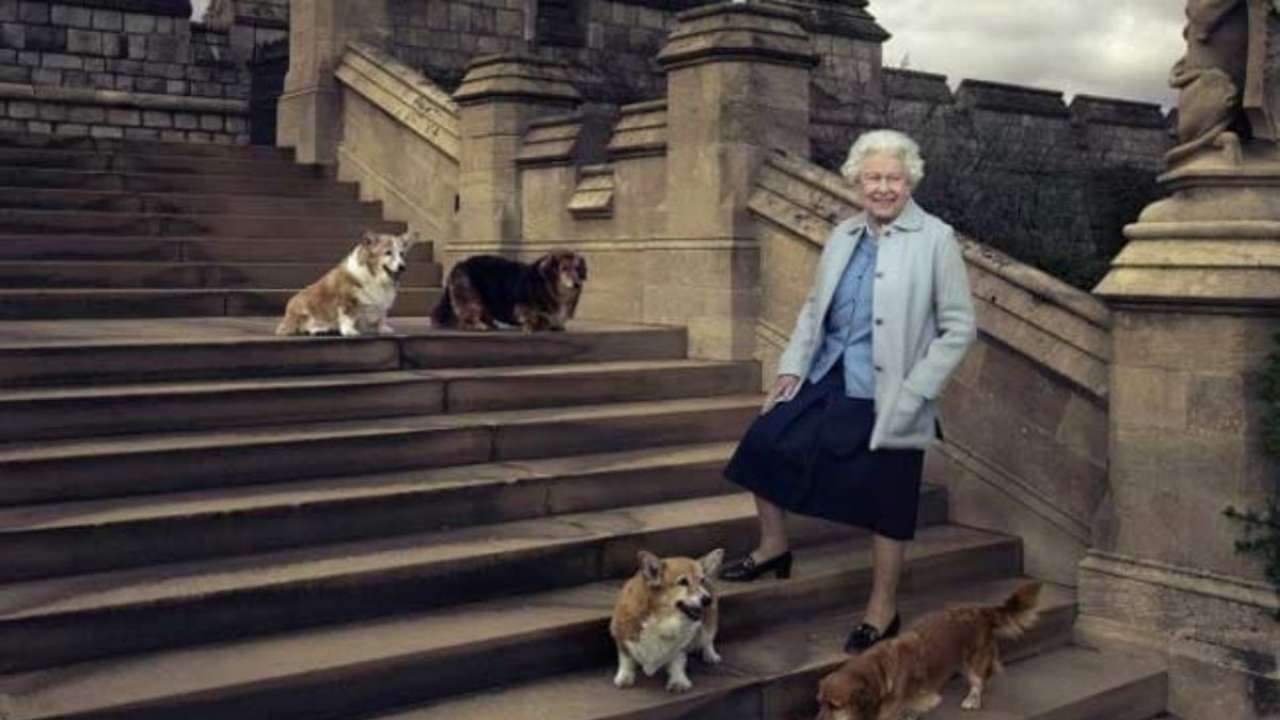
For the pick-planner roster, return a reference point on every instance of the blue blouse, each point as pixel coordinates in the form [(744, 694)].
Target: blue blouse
[(847, 328)]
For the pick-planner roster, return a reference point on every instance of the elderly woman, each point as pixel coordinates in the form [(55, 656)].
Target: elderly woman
[(843, 430)]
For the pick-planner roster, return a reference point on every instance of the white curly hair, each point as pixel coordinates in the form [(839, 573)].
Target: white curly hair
[(889, 142)]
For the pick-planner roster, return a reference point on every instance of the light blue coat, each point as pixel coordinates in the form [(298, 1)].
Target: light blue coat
[(923, 325)]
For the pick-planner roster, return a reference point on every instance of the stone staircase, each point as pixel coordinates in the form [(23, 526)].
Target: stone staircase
[(200, 520), (94, 228)]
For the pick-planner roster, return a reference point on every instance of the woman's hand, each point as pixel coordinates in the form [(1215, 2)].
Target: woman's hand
[(783, 388)]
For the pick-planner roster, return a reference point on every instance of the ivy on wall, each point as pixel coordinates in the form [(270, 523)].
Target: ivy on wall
[(1262, 528)]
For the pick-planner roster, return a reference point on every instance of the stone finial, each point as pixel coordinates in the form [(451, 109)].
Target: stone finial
[(516, 76), (729, 31)]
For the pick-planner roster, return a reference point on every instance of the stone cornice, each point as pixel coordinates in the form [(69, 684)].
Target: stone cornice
[(754, 32), (120, 98), (516, 76)]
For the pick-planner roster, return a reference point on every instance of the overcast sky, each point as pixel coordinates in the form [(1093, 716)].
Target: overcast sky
[(1117, 48)]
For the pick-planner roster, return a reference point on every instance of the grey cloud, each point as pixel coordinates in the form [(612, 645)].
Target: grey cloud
[(1117, 48)]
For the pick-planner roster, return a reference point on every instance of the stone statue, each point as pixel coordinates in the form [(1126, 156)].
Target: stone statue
[(1223, 77)]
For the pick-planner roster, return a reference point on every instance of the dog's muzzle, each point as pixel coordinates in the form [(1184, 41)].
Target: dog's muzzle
[(695, 611)]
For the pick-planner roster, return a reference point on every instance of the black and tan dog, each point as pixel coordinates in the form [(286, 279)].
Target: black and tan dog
[(485, 290)]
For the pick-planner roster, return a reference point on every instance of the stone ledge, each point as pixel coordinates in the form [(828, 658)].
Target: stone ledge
[(1114, 111), (917, 85), (755, 32), (1002, 97), (516, 76), (166, 8), (641, 131), (593, 197), (120, 98)]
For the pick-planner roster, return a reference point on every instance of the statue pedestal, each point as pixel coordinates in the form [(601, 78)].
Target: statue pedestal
[(1195, 298)]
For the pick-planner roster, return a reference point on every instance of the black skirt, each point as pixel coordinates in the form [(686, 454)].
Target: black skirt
[(810, 455)]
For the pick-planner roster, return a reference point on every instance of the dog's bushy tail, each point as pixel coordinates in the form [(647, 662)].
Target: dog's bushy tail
[(442, 315), (1018, 613)]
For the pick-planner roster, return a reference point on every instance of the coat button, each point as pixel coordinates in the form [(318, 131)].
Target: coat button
[(879, 321), (879, 275), (879, 369)]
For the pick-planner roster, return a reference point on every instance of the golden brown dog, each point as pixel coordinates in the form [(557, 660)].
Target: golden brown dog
[(902, 678), (485, 290), (354, 297), (663, 612)]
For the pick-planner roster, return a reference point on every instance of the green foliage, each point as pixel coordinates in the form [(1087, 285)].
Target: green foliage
[(1262, 528)]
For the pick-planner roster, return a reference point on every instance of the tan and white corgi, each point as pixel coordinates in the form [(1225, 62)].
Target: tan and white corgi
[(666, 610), (354, 297)]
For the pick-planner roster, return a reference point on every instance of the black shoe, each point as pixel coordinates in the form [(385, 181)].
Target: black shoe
[(747, 569), (866, 635)]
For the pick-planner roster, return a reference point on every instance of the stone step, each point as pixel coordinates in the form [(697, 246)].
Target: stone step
[(180, 203), (297, 187), (126, 147), (59, 470), (52, 622), (60, 539), (774, 676), (45, 413), (42, 222), (100, 352), (174, 275), (348, 669), (209, 248), (74, 303), (251, 167)]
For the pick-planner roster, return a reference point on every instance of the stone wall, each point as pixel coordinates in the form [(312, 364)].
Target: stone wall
[(122, 69), (610, 51), (1024, 417)]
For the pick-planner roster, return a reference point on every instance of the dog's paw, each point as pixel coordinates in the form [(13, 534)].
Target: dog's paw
[(679, 684), (972, 702), (624, 678), (710, 656)]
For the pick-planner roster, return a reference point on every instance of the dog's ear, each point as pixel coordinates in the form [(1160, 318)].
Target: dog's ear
[(886, 671), (546, 266), (711, 562), (650, 567), (581, 267), (369, 238)]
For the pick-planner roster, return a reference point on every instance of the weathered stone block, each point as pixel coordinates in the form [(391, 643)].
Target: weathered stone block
[(163, 48), (108, 20), (173, 136), (34, 12), (186, 121), (237, 125), (102, 81), (114, 45), (211, 123), (107, 132), (40, 127), (13, 36), (71, 16), (84, 42), (141, 134), (175, 87), (149, 84), (28, 58), (1149, 398), (8, 57), (124, 82), (166, 26), (46, 38), (236, 92), (15, 74), (76, 78), (124, 116), (59, 61), (87, 115), (137, 47), (71, 129), (55, 113), (157, 119), (95, 65), (137, 23), (46, 76), (8, 10), (128, 67)]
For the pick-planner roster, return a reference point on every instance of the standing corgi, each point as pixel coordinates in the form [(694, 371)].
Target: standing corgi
[(665, 610), (354, 297)]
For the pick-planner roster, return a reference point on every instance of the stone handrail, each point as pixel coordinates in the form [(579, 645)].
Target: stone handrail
[(1025, 416), (401, 140), (403, 93)]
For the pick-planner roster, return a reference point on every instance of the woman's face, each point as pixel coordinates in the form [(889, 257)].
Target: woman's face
[(884, 186)]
